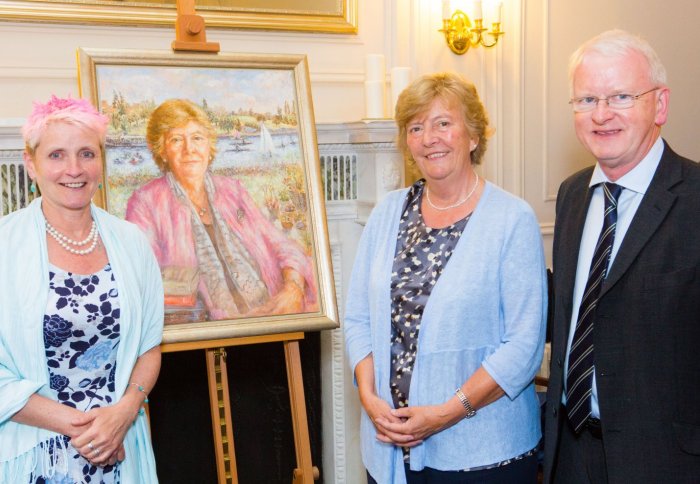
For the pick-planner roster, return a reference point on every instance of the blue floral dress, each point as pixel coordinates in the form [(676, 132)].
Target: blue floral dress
[(81, 337)]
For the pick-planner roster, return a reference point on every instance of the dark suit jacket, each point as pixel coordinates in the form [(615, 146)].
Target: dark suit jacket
[(646, 329)]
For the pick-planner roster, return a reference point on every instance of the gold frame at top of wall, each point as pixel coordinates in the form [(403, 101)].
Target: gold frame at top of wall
[(342, 20)]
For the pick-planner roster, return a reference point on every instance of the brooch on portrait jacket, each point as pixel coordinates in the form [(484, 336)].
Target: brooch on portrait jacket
[(240, 214)]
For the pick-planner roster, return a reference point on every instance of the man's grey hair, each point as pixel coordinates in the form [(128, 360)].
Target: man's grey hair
[(618, 43)]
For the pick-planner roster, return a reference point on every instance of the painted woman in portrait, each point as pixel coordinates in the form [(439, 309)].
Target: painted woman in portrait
[(217, 251)]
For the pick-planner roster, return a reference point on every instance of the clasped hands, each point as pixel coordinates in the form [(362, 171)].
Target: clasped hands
[(406, 426), (99, 433)]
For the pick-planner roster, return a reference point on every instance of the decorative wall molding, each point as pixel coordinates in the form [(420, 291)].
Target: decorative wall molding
[(547, 229), (337, 353), (334, 148), (327, 76), (10, 156), (213, 34), (547, 196), (337, 76), (28, 73)]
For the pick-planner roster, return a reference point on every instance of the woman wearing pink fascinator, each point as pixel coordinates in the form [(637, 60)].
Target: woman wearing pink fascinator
[(81, 316)]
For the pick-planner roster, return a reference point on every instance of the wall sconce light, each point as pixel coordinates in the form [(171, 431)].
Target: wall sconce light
[(459, 32)]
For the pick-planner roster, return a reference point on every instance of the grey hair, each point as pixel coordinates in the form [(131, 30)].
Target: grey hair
[(618, 43)]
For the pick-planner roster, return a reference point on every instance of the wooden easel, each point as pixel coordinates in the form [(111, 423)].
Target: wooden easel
[(190, 36), (190, 31), (220, 403)]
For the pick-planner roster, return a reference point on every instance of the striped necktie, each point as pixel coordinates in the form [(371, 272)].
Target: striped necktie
[(579, 379)]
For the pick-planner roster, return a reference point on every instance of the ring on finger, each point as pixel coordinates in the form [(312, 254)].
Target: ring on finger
[(90, 446), (96, 451)]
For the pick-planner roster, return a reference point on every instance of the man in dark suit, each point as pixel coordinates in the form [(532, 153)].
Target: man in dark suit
[(623, 403)]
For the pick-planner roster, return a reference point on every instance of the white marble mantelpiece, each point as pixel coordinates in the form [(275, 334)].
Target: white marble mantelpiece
[(380, 165)]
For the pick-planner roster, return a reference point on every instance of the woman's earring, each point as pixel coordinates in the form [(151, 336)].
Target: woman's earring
[(32, 187), (99, 185)]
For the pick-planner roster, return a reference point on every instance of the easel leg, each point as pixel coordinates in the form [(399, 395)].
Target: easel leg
[(304, 473), (221, 416)]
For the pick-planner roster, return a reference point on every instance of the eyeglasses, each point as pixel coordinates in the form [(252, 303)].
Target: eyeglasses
[(616, 101)]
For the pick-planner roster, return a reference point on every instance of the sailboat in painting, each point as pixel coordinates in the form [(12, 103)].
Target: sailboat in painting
[(267, 147)]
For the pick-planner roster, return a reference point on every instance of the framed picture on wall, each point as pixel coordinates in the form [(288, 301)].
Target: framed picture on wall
[(215, 159), (331, 16)]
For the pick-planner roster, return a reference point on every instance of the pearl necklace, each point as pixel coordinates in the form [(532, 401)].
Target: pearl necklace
[(66, 242), (442, 209)]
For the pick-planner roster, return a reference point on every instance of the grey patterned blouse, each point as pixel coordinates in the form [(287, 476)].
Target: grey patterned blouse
[(421, 255)]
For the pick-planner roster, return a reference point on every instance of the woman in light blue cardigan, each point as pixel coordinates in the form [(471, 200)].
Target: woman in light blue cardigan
[(446, 308)]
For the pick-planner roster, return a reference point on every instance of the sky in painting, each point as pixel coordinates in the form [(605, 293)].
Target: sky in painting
[(263, 90)]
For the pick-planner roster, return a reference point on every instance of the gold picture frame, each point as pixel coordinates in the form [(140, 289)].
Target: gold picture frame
[(328, 16), (261, 109)]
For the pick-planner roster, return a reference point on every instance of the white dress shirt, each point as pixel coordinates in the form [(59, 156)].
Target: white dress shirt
[(635, 184)]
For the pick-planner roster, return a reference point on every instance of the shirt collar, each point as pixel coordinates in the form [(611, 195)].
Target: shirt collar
[(638, 178)]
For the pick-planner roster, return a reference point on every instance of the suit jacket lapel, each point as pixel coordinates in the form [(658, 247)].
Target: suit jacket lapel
[(655, 205), (571, 234)]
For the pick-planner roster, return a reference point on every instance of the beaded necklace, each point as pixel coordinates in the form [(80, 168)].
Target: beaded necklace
[(67, 242), (442, 209)]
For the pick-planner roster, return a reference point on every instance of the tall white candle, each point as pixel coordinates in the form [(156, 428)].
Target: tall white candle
[(499, 12), (477, 9), (374, 68), (446, 11), (400, 77), (462, 5), (374, 99)]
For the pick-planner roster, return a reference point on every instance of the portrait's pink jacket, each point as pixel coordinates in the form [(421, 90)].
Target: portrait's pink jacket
[(168, 224)]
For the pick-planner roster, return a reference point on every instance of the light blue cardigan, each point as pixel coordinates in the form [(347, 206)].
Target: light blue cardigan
[(487, 309), (24, 289)]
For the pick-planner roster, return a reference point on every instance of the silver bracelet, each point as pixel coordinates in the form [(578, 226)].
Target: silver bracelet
[(465, 403)]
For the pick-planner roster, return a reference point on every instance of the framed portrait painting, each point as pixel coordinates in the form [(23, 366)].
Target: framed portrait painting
[(215, 158)]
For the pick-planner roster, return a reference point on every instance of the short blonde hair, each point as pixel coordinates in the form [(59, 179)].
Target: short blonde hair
[(455, 91), (175, 113)]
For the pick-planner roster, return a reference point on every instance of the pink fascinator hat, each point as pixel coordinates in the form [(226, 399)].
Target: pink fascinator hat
[(69, 110)]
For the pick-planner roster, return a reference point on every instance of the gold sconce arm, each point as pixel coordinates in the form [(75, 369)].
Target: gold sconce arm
[(460, 35)]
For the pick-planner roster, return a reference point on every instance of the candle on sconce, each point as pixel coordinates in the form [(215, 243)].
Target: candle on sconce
[(446, 12), (478, 14), (499, 12), (462, 5)]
